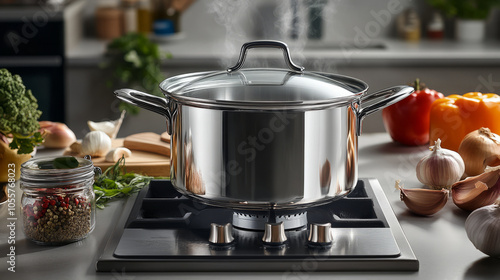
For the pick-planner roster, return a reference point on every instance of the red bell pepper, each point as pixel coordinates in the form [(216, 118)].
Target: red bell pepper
[(408, 120)]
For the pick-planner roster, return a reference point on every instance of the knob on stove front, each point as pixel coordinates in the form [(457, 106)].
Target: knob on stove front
[(274, 234), (320, 234), (221, 235)]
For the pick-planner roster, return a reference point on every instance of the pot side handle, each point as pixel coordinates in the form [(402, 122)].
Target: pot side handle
[(147, 101), (386, 97)]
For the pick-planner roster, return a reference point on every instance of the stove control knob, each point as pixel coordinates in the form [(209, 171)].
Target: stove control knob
[(221, 234), (274, 234), (320, 234)]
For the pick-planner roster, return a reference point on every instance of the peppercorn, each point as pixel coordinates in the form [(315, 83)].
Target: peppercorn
[(49, 219)]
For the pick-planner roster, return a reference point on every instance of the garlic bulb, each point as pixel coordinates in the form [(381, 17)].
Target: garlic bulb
[(115, 154), (478, 191), (423, 201), (483, 229), (96, 144), (441, 168), (479, 149)]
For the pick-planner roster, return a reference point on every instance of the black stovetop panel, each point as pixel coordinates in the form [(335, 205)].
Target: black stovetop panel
[(162, 230)]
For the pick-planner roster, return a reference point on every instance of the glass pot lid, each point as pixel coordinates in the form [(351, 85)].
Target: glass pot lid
[(263, 87)]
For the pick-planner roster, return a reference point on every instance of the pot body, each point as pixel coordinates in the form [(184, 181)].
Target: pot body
[(263, 159), (264, 139)]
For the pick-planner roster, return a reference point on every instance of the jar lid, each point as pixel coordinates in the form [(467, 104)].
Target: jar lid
[(40, 172)]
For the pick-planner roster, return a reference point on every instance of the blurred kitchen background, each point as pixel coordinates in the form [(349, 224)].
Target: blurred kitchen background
[(58, 47)]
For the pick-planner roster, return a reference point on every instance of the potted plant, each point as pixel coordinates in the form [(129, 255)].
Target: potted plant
[(19, 127), (134, 61), (470, 16)]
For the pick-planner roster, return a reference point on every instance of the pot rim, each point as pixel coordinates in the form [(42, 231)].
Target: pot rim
[(173, 88)]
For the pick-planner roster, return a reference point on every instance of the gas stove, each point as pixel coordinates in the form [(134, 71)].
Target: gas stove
[(162, 230)]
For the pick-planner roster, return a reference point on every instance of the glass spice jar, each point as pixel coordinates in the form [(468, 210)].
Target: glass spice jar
[(58, 201)]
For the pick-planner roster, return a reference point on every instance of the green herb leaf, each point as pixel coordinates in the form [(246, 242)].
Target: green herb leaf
[(65, 162), (115, 183)]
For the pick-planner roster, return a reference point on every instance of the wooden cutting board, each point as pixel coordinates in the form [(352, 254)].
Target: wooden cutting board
[(148, 142), (142, 162)]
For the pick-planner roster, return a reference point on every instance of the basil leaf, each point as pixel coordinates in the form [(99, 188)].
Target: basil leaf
[(65, 162), (46, 165)]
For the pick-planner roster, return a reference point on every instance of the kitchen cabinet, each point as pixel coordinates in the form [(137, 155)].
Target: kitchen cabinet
[(439, 242), (35, 38)]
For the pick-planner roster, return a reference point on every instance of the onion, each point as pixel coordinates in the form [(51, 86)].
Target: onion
[(479, 149), (56, 135)]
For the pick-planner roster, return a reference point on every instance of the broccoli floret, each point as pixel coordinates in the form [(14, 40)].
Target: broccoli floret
[(18, 113)]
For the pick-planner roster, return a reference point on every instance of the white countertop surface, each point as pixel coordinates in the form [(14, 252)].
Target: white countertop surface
[(439, 242), (195, 51)]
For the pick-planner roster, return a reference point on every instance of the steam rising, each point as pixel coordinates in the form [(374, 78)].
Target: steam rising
[(287, 21)]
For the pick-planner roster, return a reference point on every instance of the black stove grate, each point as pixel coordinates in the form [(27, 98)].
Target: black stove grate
[(161, 206)]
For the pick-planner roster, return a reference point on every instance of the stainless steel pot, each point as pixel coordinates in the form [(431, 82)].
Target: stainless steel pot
[(264, 138)]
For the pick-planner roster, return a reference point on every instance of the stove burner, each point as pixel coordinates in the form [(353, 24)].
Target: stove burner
[(257, 220)]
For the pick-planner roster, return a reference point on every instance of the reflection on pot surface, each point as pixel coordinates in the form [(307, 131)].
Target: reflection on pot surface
[(192, 177), (264, 158), (325, 177)]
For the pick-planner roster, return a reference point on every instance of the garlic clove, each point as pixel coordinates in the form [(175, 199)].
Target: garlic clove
[(111, 128), (478, 191), (76, 148), (115, 154), (492, 161), (483, 229), (423, 202)]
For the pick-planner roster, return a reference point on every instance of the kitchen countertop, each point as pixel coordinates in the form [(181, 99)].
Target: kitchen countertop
[(439, 242), (195, 51)]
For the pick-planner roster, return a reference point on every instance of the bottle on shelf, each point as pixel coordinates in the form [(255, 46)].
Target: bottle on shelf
[(108, 20), (409, 25), (166, 19), (435, 27), (129, 15), (144, 17)]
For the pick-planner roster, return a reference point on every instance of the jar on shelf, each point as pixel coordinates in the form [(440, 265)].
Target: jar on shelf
[(108, 19), (408, 24), (144, 17), (130, 16), (435, 27), (58, 201)]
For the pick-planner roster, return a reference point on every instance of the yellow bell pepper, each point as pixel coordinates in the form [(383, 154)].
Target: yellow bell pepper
[(455, 116)]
